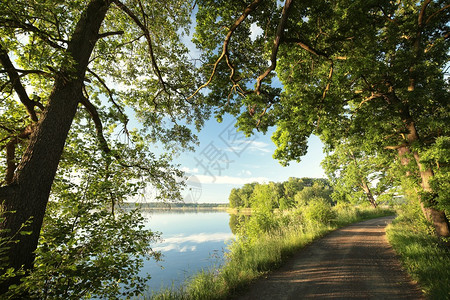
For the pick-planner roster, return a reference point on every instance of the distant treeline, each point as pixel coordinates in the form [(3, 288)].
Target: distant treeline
[(284, 195), (169, 205)]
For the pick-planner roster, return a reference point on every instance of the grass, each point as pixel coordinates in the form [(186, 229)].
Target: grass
[(424, 256), (249, 259)]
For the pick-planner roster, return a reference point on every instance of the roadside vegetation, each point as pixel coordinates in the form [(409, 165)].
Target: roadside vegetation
[(424, 256), (269, 236)]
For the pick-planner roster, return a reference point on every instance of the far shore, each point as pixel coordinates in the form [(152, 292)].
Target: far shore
[(177, 206), (168, 206)]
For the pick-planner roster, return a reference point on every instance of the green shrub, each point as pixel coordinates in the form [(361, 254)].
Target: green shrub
[(319, 210)]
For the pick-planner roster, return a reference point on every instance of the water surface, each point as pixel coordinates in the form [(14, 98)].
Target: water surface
[(192, 241)]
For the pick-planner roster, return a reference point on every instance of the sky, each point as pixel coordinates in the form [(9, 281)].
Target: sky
[(226, 159)]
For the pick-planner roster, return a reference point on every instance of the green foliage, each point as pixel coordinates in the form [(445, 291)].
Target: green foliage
[(285, 195), (438, 158), (265, 197), (100, 255), (7, 272), (240, 198), (357, 175), (424, 256), (286, 203), (88, 246), (319, 210), (317, 190), (234, 199)]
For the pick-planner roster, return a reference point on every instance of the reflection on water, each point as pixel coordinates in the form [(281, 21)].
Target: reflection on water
[(236, 220), (192, 240)]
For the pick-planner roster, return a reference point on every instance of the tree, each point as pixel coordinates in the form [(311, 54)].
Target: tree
[(265, 197), (241, 197), (316, 191), (369, 70), (59, 61), (234, 199), (292, 186), (245, 193), (355, 173)]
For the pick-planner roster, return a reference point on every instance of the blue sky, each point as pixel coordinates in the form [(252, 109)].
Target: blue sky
[(226, 159)]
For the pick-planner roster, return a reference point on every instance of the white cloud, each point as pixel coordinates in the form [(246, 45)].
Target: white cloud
[(178, 242), (188, 248), (189, 170), (259, 146), (230, 179), (245, 173), (240, 146), (166, 248), (198, 238)]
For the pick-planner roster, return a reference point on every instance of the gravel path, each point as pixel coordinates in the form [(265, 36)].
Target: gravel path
[(355, 262)]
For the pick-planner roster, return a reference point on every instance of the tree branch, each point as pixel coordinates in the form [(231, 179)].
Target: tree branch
[(30, 28), (106, 34), (387, 16), (17, 84), (330, 76), (276, 45), (395, 147), (373, 96), (10, 160), (147, 36), (262, 114), (103, 143), (436, 12), (422, 13), (316, 52), (307, 47), (110, 94), (6, 128), (98, 124), (416, 46), (26, 72), (11, 152), (226, 41)]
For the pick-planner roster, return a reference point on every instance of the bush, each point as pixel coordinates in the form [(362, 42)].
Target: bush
[(319, 210)]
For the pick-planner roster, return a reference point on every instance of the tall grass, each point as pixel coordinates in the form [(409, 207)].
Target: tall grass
[(249, 258), (423, 255)]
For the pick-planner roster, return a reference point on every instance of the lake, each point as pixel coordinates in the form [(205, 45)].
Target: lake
[(192, 241)]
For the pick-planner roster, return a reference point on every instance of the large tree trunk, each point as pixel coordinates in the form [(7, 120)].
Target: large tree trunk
[(433, 215), (27, 196)]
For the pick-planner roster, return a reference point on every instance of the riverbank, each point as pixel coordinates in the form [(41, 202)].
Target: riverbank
[(249, 258)]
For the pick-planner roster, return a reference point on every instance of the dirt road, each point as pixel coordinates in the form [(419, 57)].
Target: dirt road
[(355, 262)]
